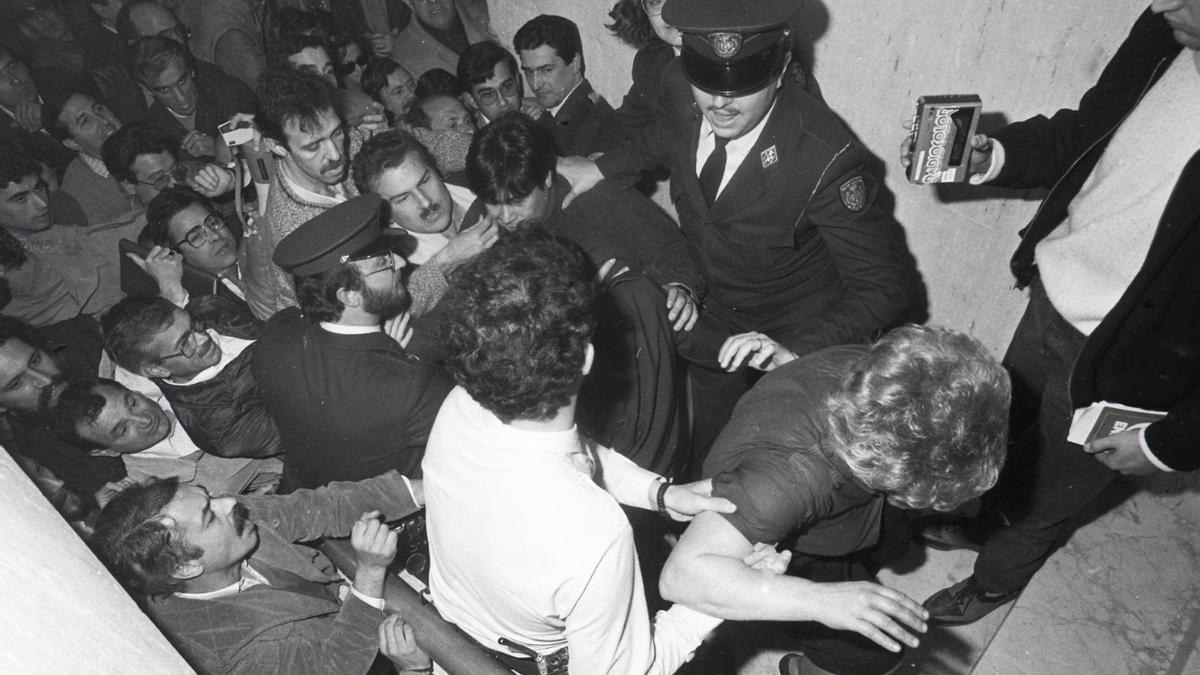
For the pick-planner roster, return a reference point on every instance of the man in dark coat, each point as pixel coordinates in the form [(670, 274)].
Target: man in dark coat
[(1114, 310), (773, 194), (551, 54), (349, 401)]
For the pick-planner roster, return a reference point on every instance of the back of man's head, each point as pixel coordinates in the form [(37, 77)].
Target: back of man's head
[(559, 33), (478, 62), (317, 294), (131, 141), (509, 158), (923, 418), (142, 549), (143, 18), (287, 95), (130, 324), (520, 325)]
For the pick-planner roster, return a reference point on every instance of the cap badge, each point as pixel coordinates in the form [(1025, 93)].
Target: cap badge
[(342, 259), (769, 157), (725, 45)]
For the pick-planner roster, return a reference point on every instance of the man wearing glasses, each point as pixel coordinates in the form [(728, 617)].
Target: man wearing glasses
[(489, 75), (145, 161), (204, 376), (349, 401)]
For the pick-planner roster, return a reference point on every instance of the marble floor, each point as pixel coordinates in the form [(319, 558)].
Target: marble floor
[(1121, 598)]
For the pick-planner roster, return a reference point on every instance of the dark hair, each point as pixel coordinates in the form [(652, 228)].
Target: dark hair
[(416, 115), (510, 158), (317, 293), (923, 417), (386, 150), (288, 22), (437, 81), (131, 141), (150, 56), (289, 45), (547, 29), (130, 325), (138, 546), (477, 63), (165, 205), (630, 23), (14, 328), (53, 103), (287, 94), (15, 163), (79, 404), (375, 75), (124, 21), (520, 316)]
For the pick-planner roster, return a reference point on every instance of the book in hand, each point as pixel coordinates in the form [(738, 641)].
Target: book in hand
[(1105, 419)]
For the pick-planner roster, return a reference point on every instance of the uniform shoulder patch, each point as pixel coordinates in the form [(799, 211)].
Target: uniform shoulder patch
[(854, 193)]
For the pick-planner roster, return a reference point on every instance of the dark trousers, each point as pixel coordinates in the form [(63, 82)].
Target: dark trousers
[(1047, 480)]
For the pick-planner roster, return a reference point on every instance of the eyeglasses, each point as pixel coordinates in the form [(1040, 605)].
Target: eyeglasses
[(202, 233), (192, 342), (492, 96), (653, 7), (176, 174), (380, 263)]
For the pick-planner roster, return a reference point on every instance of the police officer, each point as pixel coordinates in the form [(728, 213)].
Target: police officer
[(773, 195)]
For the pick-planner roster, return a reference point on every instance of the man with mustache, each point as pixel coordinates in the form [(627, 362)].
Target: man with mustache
[(312, 145), (349, 401), (82, 123), (21, 115), (230, 584), (773, 194), (551, 54)]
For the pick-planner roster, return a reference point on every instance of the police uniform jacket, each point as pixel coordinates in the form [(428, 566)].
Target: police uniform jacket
[(348, 407), (1144, 352), (795, 245)]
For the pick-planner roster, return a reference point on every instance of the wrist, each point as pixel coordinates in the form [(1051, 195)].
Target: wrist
[(368, 579)]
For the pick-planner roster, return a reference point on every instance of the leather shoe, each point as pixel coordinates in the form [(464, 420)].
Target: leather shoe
[(949, 534), (964, 602)]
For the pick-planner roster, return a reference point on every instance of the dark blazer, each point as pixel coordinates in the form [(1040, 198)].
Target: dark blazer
[(220, 97), (1146, 350), (585, 123), (295, 624), (795, 245), (347, 406)]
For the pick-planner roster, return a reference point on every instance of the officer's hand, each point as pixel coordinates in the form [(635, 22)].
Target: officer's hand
[(1121, 452), (683, 502), (764, 353), (681, 307), (882, 614), (581, 173)]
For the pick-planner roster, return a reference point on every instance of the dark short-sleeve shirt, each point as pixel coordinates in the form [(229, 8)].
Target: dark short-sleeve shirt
[(769, 461)]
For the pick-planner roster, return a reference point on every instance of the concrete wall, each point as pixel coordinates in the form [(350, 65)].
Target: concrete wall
[(873, 58), (61, 611)]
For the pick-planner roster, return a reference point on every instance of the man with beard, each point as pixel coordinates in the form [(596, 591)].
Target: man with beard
[(350, 403), (312, 145), (82, 123), (229, 582)]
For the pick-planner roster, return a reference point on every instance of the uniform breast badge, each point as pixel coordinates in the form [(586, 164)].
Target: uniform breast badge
[(769, 157)]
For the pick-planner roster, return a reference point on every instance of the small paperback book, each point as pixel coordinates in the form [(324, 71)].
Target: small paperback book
[(1105, 419)]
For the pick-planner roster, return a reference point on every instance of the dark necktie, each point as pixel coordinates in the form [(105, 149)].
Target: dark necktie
[(712, 171)]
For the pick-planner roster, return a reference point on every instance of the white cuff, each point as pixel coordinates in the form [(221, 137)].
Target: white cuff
[(412, 494), (995, 167), (1148, 452)]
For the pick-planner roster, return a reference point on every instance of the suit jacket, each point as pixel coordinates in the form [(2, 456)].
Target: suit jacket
[(795, 245), (585, 123), (347, 406), (1144, 352), (294, 625), (420, 51), (220, 96)]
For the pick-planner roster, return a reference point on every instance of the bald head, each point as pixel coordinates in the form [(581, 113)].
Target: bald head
[(144, 18)]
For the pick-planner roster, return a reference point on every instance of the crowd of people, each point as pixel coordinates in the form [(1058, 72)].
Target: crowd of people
[(275, 271)]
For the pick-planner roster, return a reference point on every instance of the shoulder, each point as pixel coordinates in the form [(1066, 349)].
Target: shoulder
[(813, 122)]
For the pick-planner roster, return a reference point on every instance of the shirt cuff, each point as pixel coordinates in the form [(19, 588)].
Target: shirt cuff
[(698, 624), (408, 484), (1148, 452), (994, 169), (377, 603)]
